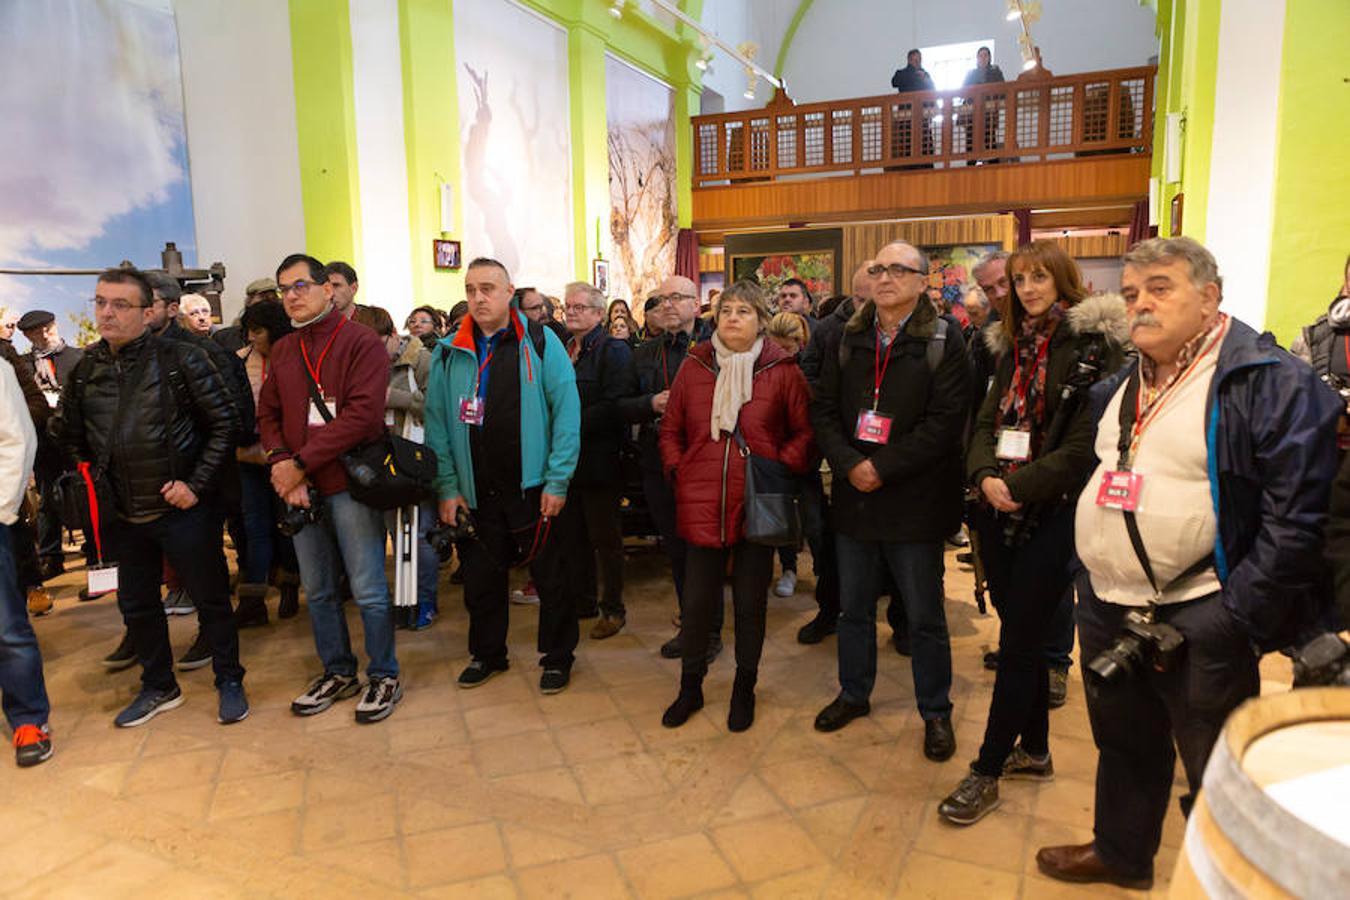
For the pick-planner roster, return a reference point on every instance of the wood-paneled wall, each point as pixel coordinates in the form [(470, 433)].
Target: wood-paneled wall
[(862, 241)]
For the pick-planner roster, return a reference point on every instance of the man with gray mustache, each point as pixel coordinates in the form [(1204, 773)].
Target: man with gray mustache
[(1202, 524)]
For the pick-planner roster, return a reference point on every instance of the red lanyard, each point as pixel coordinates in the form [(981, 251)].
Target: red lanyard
[(478, 379), (264, 365), (879, 368), (1152, 412), (315, 370), (1347, 352), (93, 509)]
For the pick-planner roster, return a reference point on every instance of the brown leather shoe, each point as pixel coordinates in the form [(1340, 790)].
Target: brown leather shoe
[(39, 602), (1081, 864), (607, 626)]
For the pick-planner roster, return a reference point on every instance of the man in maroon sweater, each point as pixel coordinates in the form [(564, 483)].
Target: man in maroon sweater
[(347, 365)]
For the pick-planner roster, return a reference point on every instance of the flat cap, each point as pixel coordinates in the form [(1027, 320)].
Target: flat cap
[(259, 285), (35, 318)]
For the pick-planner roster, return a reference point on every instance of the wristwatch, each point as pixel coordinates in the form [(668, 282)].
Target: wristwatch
[(299, 463)]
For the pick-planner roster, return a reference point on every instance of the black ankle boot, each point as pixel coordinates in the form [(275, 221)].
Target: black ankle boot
[(742, 713), (251, 609), (687, 703)]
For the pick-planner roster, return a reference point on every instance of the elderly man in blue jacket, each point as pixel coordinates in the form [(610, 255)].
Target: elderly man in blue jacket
[(504, 420), (1201, 534)]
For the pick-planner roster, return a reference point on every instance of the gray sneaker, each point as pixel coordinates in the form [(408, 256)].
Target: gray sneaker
[(1059, 686), (323, 692), (379, 700), (974, 798), (178, 603), (1021, 766)]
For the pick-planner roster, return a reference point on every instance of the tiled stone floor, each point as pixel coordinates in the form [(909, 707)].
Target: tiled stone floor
[(501, 792)]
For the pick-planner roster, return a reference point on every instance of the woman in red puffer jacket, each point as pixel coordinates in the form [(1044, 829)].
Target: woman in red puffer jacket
[(739, 379)]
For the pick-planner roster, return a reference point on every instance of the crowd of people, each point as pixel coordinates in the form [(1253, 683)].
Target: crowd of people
[(1143, 462)]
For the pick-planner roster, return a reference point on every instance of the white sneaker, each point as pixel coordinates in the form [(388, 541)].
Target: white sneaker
[(527, 597), (787, 585)]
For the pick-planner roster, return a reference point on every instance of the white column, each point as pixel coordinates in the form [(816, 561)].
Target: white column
[(381, 159), (1242, 161)]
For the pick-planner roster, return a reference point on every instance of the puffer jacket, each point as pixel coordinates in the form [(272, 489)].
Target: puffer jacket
[(1058, 475), (179, 424), (709, 475)]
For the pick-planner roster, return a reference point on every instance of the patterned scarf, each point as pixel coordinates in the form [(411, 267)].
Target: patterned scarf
[(1151, 391), (1023, 403)]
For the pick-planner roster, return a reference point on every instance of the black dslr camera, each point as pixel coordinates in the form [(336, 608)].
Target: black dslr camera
[(1144, 644), (1323, 661), (443, 538), (294, 518)]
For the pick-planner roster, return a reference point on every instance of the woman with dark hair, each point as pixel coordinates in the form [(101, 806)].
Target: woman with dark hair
[(617, 307), (263, 324), (1029, 456), (425, 322), (736, 395)]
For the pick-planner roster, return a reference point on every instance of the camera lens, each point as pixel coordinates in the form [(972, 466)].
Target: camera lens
[(1122, 659)]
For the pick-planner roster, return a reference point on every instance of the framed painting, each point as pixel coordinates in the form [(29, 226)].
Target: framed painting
[(771, 258), (950, 268)]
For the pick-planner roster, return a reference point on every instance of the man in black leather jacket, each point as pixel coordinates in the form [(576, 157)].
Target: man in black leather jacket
[(153, 420)]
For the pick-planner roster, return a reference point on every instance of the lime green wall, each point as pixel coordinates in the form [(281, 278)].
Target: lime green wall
[(1312, 174), (1187, 70), (325, 113), (431, 133)]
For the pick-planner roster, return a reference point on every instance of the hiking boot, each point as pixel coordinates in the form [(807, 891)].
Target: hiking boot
[(1059, 686), (477, 673), (39, 602), (32, 745), (382, 695), (123, 657), (786, 585), (149, 703), (233, 704), (607, 627), (323, 692), (197, 656), (974, 798), (1022, 766), (178, 603)]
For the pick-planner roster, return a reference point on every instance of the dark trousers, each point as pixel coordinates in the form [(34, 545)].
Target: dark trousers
[(1030, 582), (486, 564), (46, 470), (590, 530), (820, 538), (190, 539), (661, 504), (751, 571), (1058, 645), (1140, 723)]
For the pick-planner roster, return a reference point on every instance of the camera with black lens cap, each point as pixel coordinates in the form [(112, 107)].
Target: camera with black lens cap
[(443, 538), (294, 518), (1144, 644)]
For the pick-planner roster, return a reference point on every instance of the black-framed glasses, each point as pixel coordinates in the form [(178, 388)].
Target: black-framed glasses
[(299, 286), (895, 270), (673, 298)]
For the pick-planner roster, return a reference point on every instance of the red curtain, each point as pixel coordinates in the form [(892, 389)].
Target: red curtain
[(686, 254), (1140, 230), (1023, 217)]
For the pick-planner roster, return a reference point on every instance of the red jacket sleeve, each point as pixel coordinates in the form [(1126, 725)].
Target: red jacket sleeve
[(360, 413)]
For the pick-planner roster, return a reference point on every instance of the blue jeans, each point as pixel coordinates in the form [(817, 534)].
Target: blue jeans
[(348, 537), (428, 563), (256, 498), (917, 570), (25, 693)]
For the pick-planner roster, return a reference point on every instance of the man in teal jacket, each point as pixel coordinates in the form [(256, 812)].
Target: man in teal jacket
[(503, 417)]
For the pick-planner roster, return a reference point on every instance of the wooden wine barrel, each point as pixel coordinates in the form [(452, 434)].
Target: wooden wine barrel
[(1241, 841)]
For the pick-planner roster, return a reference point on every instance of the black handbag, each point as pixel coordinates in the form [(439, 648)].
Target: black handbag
[(388, 473), (773, 500)]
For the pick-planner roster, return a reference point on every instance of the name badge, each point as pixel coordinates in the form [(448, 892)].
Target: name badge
[(102, 579), (53, 398), (873, 427), (1014, 444), (1120, 490), (316, 417), (471, 411)]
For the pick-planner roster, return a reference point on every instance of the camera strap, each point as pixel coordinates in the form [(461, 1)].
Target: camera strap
[(317, 397), (1127, 416)]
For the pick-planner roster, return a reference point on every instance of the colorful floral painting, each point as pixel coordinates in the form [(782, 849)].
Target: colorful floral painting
[(816, 268), (950, 268)]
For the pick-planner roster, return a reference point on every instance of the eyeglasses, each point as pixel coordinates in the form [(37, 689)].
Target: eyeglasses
[(895, 270), (580, 307), (673, 298), (298, 286), (118, 305)]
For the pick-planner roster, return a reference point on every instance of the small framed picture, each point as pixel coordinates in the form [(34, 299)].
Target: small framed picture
[(446, 254), (600, 275)]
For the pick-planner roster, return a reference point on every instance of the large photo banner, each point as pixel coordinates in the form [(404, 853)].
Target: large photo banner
[(514, 127), (93, 163), (642, 221)]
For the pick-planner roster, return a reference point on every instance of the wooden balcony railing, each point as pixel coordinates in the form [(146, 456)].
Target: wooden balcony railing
[(1048, 118)]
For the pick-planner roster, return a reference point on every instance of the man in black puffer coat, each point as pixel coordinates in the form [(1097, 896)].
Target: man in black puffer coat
[(153, 421)]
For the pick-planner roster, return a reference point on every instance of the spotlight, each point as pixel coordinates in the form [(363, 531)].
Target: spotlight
[(616, 9), (1029, 65)]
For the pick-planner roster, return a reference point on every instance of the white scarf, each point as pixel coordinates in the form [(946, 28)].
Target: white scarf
[(735, 383)]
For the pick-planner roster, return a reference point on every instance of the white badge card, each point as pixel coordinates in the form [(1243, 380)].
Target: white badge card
[(102, 579), (1014, 444), (315, 416)]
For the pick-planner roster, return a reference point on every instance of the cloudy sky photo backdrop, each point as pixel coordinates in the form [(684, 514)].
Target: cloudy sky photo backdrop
[(93, 166)]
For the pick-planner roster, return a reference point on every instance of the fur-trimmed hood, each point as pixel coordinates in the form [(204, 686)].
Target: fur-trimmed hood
[(1096, 314)]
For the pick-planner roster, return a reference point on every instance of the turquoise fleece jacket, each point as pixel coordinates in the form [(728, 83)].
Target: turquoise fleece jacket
[(550, 413)]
